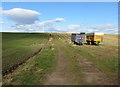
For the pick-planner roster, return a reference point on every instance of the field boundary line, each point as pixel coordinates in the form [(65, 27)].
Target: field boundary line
[(15, 66)]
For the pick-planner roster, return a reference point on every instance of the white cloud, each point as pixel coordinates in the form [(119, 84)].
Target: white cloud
[(1, 22), (55, 29), (59, 19), (73, 27), (37, 26), (27, 20), (22, 16), (26, 28), (103, 28), (106, 28), (49, 22)]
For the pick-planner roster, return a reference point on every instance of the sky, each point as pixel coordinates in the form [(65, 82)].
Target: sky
[(60, 17)]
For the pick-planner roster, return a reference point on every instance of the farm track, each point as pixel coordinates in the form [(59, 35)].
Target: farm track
[(93, 75), (57, 77), (71, 67), (90, 74), (63, 74)]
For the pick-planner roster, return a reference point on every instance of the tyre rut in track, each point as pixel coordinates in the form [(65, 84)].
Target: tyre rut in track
[(91, 75), (58, 75)]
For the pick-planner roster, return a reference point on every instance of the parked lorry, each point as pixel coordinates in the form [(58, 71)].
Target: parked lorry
[(78, 38), (94, 38), (89, 38)]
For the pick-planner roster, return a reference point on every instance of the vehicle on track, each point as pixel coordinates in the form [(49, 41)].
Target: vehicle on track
[(87, 38)]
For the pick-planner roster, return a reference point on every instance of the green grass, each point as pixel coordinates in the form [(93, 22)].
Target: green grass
[(18, 46), (34, 70), (72, 69), (104, 56)]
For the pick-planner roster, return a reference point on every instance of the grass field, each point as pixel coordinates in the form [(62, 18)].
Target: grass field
[(16, 46), (60, 62)]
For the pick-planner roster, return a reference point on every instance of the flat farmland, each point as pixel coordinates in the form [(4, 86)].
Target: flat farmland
[(60, 62), (16, 47)]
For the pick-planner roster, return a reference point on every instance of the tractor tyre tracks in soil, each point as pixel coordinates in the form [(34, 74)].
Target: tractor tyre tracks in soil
[(91, 74), (58, 75), (62, 74)]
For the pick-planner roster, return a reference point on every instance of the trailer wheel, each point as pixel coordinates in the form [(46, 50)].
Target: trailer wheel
[(74, 42), (98, 43), (80, 44), (92, 43), (88, 42)]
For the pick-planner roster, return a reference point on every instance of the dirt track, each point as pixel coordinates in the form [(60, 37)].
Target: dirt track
[(58, 76), (92, 75), (62, 74)]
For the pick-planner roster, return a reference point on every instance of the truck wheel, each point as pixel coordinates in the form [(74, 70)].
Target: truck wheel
[(74, 42), (88, 42), (98, 43)]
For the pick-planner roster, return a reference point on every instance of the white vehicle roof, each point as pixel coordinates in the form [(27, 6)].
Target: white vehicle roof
[(95, 33), (98, 33)]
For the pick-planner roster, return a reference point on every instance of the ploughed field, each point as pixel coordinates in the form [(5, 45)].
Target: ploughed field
[(60, 62)]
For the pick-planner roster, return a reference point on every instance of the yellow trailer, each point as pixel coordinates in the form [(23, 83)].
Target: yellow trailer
[(94, 38)]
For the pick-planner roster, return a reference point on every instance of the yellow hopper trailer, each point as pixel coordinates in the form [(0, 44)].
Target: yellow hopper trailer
[(94, 38)]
